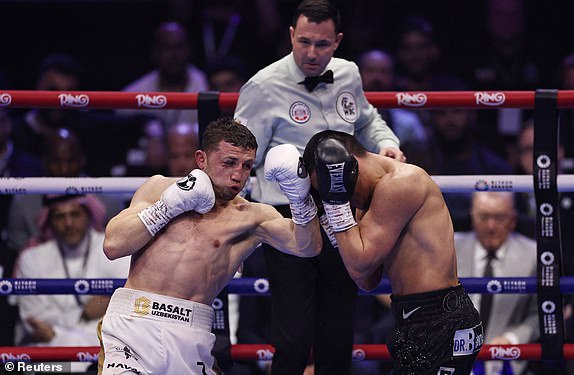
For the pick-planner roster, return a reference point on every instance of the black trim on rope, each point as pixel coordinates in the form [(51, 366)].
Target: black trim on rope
[(547, 224)]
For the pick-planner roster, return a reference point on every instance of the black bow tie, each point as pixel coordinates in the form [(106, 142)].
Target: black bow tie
[(312, 82)]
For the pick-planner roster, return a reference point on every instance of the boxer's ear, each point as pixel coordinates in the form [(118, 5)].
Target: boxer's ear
[(201, 159)]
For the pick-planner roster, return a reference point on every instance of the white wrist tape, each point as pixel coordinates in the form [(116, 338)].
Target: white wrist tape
[(155, 217), (324, 221), (303, 211), (340, 216)]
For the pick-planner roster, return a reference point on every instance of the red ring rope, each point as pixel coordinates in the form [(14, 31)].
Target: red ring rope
[(171, 100), (265, 352)]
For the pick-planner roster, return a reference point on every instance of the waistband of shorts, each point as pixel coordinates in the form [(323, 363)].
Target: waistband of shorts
[(142, 304), (427, 303)]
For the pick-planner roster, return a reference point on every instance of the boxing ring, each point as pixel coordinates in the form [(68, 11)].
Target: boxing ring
[(549, 284)]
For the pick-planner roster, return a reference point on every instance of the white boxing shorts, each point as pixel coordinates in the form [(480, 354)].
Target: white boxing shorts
[(148, 333)]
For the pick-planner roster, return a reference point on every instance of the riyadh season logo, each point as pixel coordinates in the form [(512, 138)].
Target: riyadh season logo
[(543, 161), (82, 286), (5, 287), (494, 286), (261, 286)]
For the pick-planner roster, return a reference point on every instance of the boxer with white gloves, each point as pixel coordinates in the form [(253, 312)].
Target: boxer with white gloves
[(191, 193), (284, 165), (186, 240)]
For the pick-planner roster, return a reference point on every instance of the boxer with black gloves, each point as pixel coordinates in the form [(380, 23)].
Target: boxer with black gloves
[(187, 238), (406, 230), (337, 175)]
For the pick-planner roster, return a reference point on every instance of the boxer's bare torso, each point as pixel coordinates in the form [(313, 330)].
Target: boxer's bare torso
[(406, 229), (196, 255)]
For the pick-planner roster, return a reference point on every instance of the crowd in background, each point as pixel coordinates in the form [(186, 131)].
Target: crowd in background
[(192, 46)]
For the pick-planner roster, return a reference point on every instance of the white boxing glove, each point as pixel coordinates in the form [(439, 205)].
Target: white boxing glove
[(284, 165), (191, 193)]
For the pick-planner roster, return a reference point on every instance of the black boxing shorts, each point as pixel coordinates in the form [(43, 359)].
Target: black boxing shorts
[(436, 332)]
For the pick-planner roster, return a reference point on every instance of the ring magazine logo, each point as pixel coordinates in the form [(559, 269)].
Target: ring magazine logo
[(5, 99), (151, 101), (490, 98)]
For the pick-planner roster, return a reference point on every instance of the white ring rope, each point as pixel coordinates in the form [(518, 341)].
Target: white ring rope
[(118, 185)]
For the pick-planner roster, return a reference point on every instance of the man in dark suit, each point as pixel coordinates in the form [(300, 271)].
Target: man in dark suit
[(512, 318)]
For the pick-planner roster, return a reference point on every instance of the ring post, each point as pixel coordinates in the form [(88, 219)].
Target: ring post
[(207, 109), (547, 224)]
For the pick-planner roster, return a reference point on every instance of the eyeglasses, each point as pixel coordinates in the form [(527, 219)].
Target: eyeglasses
[(498, 218)]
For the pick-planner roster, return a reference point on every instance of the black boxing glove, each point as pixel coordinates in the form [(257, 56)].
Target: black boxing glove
[(337, 172)]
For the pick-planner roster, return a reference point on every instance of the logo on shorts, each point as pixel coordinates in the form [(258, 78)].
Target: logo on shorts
[(123, 366), (142, 306), (347, 107), (187, 183), (445, 371), (127, 352), (300, 112), (467, 341), (406, 315)]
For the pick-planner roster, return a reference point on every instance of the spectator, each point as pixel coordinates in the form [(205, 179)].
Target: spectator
[(13, 163), (61, 72), (149, 156), (453, 150), (170, 53), (170, 154), (8, 312), (227, 75), (418, 61), (57, 73), (567, 114), (72, 224), (63, 157), (182, 142), (287, 102), (514, 317), (378, 74), (224, 28), (374, 322), (506, 60), (418, 58)]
